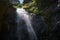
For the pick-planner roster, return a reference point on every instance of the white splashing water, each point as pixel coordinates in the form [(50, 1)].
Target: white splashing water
[(23, 14)]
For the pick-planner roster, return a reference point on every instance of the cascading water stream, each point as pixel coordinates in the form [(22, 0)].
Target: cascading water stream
[(22, 14)]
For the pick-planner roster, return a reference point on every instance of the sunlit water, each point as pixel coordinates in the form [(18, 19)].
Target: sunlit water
[(22, 14)]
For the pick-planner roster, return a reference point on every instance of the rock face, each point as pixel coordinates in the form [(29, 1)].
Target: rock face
[(53, 32), (5, 9), (7, 19), (2, 10), (53, 27)]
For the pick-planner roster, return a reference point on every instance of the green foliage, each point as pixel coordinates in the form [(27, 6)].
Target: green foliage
[(31, 6), (17, 6), (40, 7)]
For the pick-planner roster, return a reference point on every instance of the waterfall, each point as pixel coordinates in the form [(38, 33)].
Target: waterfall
[(22, 14)]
